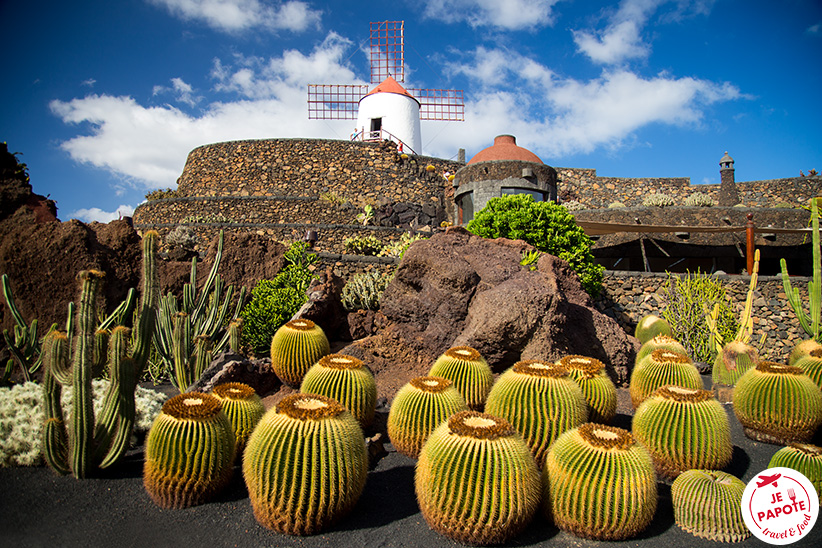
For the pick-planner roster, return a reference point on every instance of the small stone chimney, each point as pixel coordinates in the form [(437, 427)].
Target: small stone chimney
[(728, 195)]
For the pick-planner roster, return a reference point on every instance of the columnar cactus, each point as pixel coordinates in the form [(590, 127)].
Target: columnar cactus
[(243, 408), (802, 349), (804, 458), (649, 326), (732, 361), (347, 380), (418, 408), (540, 400), (305, 465), (810, 321), (664, 342), (295, 347), (598, 483), (469, 372), (812, 365), (662, 368), (683, 429), (87, 442), (708, 504), (777, 404), (599, 390), (190, 451), (476, 480)]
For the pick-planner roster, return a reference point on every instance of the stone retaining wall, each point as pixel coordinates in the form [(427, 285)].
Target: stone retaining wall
[(628, 296)]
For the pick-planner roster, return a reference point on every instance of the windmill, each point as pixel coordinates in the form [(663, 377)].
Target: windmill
[(388, 111)]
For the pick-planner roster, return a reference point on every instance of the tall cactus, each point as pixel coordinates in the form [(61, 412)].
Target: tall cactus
[(810, 321), (25, 346), (189, 333), (90, 442)]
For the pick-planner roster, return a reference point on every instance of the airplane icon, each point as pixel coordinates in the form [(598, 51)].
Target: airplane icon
[(767, 480)]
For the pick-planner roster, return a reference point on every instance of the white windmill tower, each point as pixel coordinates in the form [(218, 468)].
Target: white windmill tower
[(389, 111)]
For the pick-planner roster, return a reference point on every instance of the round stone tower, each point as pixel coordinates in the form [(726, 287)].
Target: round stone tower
[(501, 169)]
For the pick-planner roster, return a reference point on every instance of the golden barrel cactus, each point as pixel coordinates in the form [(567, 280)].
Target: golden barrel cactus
[(811, 364), (732, 362), (418, 408), (649, 326), (469, 372), (189, 451), (598, 389), (660, 342), (305, 465), (662, 368), (708, 504), (476, 480), (683, 429), (243, 408), (295, 347), (804, 458), (540, 400), (347, 380)]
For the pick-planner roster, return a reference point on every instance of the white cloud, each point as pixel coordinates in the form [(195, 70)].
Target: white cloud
[(508, 15), (814, 29), (237, 15), (96, 214), (148, 145), (89, 83), (622, 39), (183, 91)]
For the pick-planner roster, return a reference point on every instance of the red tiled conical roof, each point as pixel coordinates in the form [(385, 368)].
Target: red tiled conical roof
[(505, 148), (389, 85)]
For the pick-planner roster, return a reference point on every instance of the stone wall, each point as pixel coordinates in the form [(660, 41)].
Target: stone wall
[(585, 186), (628, 296)]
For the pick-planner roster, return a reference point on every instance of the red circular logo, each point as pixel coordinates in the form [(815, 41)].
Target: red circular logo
[(780, 506)]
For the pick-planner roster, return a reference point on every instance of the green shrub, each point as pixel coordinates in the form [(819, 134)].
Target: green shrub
[(545, 225), (274, 302), (21, 418), (658, 200), (398, 248), (363, 291), (161, 194), (699, 199), (206, 219), (687, 300), (362, 245)]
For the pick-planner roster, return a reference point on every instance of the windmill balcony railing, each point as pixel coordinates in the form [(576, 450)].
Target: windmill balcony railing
[(378, 135)]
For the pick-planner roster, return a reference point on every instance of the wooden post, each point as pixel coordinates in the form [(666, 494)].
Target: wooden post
[(749, 243)]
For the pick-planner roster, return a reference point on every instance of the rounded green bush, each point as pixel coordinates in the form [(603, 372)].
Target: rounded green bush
[(659, 342), (305, 465), (598, 389), (777, 404), (547, 226), (683, 429), (803, 348), (540, 400), (190, 451), (243, 408), (811, 364), (661, 368), (418, 408), (476, 480), (469, 372), (804, 458), (296, 346), (598, 483), (733, 361), (347, 380), (708, 504), (649, 327)]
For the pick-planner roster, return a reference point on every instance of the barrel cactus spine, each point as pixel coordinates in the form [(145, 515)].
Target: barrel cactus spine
[(812, 365), (305, 465), (664, 342), (418, 408), (777, 404), (649, 326), (662, 368), (683, 429), (599, 483), (708, 504), (243, 408), (468, 370), (802, 457), (190, 451), (476, 480), (598, 389), (347, 380), (295, 347), (540, 400)]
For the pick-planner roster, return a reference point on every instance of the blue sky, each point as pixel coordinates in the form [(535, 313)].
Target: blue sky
[(105, 99)]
